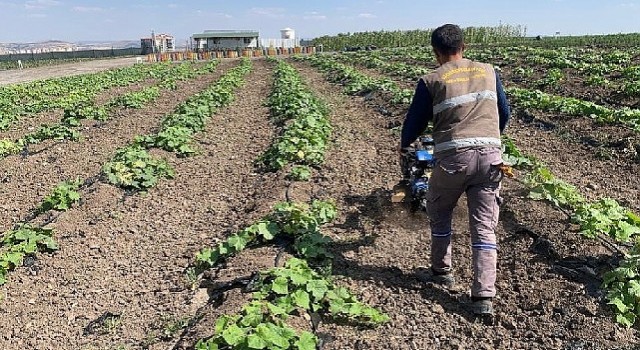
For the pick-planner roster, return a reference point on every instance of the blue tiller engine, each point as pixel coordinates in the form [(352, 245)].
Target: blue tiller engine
[(417, 164)]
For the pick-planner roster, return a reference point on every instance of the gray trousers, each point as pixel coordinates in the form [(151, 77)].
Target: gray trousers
[(476, 173)]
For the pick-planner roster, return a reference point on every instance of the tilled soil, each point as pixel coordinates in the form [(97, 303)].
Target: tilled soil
[(599, 170), (28, 124), (28, 179), (123, 258), (538, 307), (119, 276), (549, 295)]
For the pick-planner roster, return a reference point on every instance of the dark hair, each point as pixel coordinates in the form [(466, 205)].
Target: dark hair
[(447, 39)]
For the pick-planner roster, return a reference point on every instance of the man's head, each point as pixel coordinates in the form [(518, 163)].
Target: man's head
[(447, 41)]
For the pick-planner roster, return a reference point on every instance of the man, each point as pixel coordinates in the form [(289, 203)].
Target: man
[(466, 102)]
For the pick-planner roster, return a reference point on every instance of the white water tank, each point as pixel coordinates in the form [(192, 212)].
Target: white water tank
[(287, 33)]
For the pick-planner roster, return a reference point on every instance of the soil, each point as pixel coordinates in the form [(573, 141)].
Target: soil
[(119, 281), (28, 178), (63, 70), (28, 124)]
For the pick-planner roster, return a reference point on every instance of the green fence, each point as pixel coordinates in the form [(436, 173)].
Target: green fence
[(71, 54)]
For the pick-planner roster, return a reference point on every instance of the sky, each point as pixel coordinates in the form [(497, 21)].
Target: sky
[(75, 20)]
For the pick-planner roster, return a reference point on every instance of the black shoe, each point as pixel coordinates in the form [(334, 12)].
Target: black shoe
[(482, 306), (445, 279)]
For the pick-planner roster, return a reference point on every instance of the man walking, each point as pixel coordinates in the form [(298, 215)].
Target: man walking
[(466, 102)]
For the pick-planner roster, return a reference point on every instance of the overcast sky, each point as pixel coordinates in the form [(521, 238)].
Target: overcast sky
[(74, 20)]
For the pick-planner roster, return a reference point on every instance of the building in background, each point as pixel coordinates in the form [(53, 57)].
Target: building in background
[(212, 40), (158, 43)]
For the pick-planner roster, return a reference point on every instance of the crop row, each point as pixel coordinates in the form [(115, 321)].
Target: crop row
[(85, 108), (613, 70), (21, 100), (305, 128), (575, 107), (133, 168), (26, 239), (303, 286), (355, 82), (562, 57), (605, 217), (383, 63)]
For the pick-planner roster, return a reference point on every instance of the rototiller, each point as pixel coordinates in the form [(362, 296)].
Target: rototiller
[(417, 162)]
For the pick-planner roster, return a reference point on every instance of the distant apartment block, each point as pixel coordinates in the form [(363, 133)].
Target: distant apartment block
[(36, 48), (158, 43)]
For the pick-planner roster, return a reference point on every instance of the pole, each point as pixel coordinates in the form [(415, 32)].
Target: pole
[(153, 42)]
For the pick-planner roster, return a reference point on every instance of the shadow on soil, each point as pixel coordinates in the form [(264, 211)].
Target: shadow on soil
[(583, 269), (377, 207), (374, 209)]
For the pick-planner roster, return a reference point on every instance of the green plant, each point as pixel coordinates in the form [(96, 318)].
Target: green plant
[(8, 147), (552, 78), (50, 132), (357, 83), (544, 186), (133, 167), (73, 115), (631, 88), (576, 107), (299, 221), (292, 289), (190, 117), (300, 173), (172, 139), (297, 286), (25, 240), (259, 326), (136, 99), (603, 153), (623, 286), (72, 93), (597, 80), (173, 325), (607, 217), (304, 138), (111, 324), (523, 72), (62, 197), (191, 275), (512, 155)]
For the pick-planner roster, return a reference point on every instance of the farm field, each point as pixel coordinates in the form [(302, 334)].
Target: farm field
[(14, 76), (179, 190)]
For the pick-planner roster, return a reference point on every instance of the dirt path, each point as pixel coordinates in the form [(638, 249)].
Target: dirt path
[(68, 69)]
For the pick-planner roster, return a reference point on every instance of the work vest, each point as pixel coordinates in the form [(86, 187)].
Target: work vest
[(465, 109)]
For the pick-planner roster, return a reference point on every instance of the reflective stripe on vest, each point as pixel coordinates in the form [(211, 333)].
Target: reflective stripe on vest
[(468, 142), (462, 99)]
